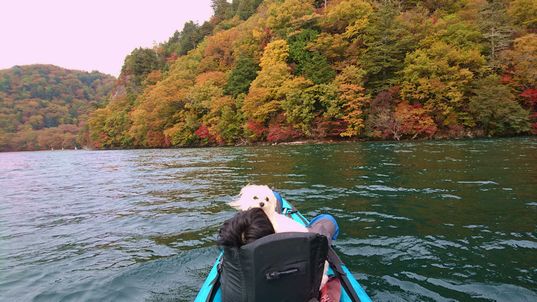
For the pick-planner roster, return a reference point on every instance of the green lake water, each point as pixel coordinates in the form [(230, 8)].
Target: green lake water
[(427, 221)]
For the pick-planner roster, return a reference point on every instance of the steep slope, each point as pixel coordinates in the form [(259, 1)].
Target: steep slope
[(283, 70)]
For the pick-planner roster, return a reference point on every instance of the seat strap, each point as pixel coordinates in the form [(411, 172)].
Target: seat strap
[(216, 282), (336, 263)]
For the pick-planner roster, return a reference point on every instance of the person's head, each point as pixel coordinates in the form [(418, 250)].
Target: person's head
[(245, 227)]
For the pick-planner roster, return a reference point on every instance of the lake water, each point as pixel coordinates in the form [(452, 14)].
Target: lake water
[(428, 221)]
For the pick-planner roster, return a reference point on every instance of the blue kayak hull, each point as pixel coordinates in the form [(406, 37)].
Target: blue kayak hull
[(206, 288)]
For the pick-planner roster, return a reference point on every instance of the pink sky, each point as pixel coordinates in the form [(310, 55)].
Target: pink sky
[(90, 34)]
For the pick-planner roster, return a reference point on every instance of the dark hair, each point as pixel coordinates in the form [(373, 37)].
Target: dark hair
[(245, 227)]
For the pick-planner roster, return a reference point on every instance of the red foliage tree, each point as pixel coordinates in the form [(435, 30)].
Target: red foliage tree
[(156, 139), (282, 133), (205, 135), (257, 130), (531, 96), (329, 128), (414, 121)]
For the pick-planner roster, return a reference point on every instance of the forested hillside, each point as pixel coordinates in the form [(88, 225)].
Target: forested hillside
[(285, 70), (44, 106)]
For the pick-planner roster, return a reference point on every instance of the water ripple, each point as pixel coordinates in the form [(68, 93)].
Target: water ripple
[(427, 221)]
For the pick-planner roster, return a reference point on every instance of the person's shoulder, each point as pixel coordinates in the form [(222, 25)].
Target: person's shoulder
[(286, 224)]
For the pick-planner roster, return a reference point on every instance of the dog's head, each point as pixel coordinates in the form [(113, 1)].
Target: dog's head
[(253, 196)]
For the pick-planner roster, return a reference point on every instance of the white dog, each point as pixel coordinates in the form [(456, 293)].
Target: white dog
[(254, 196)]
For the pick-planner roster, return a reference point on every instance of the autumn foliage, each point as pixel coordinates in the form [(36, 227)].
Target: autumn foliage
[(46, 107), (530, 97), (280, 70)]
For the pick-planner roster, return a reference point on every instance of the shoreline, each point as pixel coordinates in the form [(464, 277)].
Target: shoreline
[(288, 143)]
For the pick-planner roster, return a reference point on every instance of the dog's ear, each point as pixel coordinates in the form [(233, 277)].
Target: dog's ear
[(235, 204)]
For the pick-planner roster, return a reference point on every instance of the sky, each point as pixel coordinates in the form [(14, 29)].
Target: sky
[(89, 34)]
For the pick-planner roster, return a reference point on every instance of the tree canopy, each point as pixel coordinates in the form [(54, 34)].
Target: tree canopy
[(279, 70), (44, 106)]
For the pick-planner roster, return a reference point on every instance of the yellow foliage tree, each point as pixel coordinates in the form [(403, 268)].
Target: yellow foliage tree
[(265, 95), (353, 100), (437, 77), (159, 106), (347, 17), (523, 60), (288, 16)]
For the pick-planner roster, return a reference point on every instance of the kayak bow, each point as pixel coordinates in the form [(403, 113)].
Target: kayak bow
[(351, 290)]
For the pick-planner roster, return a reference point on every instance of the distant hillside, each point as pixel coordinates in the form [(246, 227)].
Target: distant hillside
[(45, 106), (281, 70)]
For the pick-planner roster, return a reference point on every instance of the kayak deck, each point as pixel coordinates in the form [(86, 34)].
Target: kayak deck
[(206, 288)]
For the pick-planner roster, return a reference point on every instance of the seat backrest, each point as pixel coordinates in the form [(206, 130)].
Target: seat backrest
[(278, 267)]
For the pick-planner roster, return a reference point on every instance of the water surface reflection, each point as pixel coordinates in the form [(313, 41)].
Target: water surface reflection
[(449, 220)]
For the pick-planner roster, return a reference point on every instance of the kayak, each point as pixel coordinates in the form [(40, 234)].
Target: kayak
[(351, 290)]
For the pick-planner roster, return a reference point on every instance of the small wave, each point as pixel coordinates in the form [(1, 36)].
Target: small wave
[(381, 215), (367, 194), (399, 189), (475, 226), (388, 248), (520, 244), (499, 292), (444, 244), (410, 288), (478, 182)]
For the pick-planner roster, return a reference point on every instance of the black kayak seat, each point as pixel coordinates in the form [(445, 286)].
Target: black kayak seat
[(279, 267)]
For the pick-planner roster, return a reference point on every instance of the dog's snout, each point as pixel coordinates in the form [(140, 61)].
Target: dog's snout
[(261, 204)]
